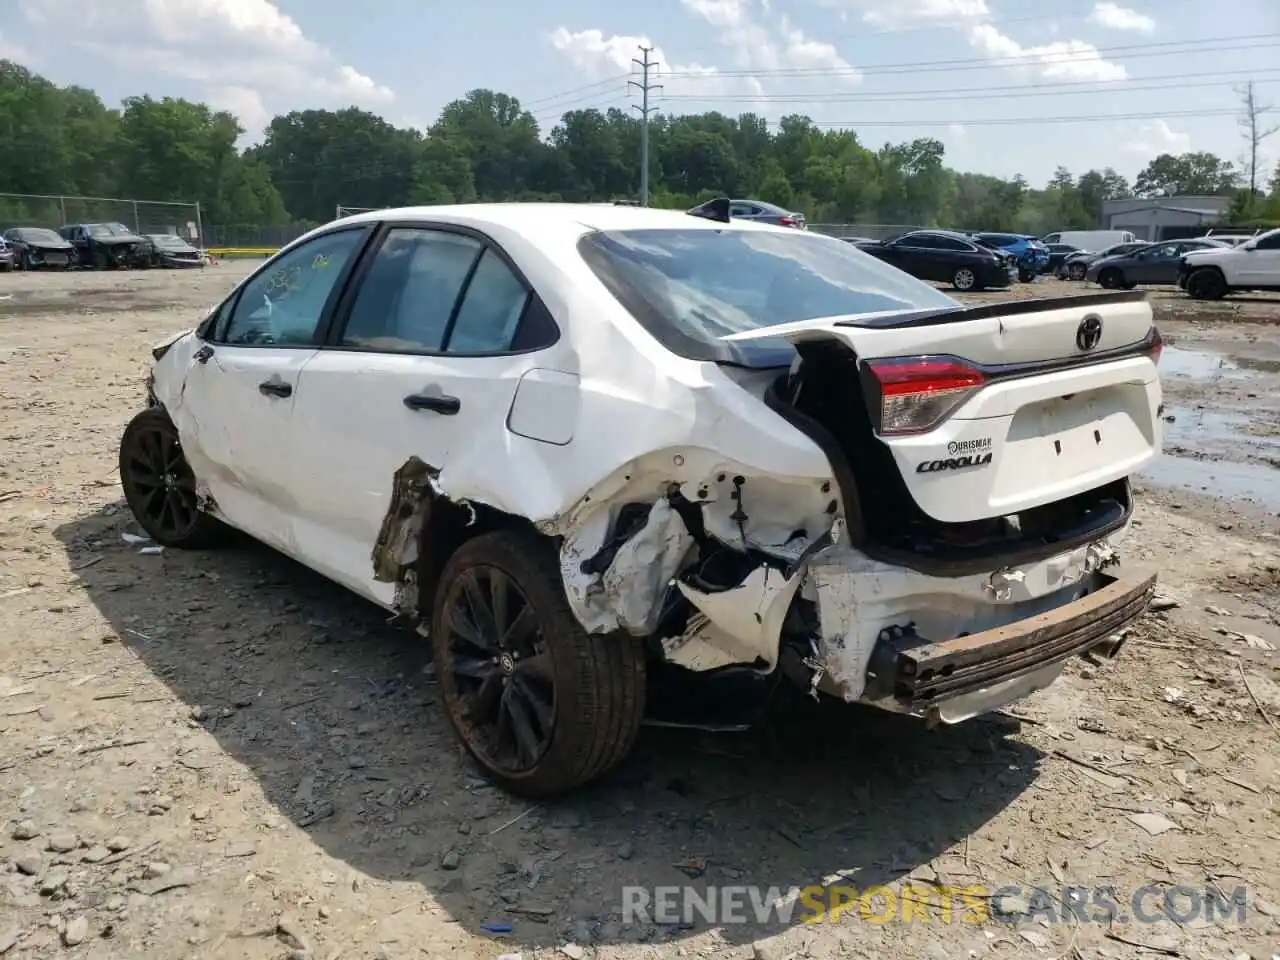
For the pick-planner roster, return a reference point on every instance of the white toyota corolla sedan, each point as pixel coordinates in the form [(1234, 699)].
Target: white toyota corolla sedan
[(579, 442)]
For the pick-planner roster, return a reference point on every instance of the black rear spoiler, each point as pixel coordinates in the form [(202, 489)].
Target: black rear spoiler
[(1009, 308)]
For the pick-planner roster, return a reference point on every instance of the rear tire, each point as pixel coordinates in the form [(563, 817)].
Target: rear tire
[(1207, 284), (159, 485), (536, 701)]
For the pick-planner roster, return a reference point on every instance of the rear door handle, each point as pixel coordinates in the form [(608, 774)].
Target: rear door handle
[(274, 388), (438, 403)]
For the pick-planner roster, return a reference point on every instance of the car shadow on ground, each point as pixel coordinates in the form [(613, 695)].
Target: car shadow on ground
[(334, 712)]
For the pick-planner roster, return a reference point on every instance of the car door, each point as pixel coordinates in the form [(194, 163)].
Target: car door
[(423, 360), (916, 254), (949, 255), (234, 418), (1259, 265), (1157, 264)]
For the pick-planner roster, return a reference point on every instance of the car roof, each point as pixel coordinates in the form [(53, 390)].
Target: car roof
[(581, 217)]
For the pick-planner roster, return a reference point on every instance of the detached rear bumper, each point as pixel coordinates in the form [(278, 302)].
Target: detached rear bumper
[(922, 677)]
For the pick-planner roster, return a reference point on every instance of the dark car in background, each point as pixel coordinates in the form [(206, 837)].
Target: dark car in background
[(1153, 263), (1031, 254), (1058, 253), (104, 244), (944, 256), (754, 210), (6, 255), (1075, 265), (36, 247), (169, 250)]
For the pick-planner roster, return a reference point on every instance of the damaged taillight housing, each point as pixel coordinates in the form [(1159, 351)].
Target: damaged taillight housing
[(1155, 344), (909, 395)]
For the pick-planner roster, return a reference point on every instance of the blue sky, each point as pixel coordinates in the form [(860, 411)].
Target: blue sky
[(984, 76)]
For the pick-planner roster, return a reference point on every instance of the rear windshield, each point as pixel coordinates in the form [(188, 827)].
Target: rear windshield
[(689, 288)]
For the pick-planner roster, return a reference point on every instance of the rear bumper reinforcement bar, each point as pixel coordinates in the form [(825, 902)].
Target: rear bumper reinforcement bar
[(925, 675)]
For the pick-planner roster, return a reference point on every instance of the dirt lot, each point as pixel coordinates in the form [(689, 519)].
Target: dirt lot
[(221, 755)]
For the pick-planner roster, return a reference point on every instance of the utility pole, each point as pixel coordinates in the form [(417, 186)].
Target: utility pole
[(644, 86)]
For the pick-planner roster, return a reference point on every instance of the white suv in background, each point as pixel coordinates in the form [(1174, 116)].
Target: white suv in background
[(1253, 265)]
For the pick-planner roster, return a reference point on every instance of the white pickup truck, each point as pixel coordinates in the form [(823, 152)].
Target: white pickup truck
[(1213, 273)]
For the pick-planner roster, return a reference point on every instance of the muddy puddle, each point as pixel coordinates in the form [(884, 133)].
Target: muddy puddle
[(1219, 426)]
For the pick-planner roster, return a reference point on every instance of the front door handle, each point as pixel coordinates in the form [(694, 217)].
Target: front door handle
[(438, 403), (274, 388)]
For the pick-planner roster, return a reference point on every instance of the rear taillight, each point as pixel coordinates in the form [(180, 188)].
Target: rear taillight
[(1156, 345), (915, 394), (787, 221)]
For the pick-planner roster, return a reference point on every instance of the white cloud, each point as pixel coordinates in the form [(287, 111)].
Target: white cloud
[(247, 52), (1116, 17), (1069, 60), (914, 14), (1157, 137), (958, 131), (1060, 60), (755, 46), (246, 104)]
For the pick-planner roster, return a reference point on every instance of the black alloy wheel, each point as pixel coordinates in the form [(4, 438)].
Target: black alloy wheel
[(539, 703), (500, 667), (158, 483)]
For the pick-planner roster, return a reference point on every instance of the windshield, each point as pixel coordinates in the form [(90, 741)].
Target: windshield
[(36, 235), (110, 230), (701, 285), (170, 242)]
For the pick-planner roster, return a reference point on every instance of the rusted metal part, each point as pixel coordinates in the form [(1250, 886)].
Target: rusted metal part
[(935, 672)]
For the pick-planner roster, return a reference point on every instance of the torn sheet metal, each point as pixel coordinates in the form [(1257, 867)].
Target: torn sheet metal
[(743, 622), (632, 588)]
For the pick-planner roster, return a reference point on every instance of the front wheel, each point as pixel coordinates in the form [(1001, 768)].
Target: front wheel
[(1076, 271), (964, 279), (1026, 276), (1111, 279), (1207, 284), (159, 485), (538, 702)]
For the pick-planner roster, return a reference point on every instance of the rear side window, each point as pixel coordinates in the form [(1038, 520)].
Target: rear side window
[(405, 301), (1269, 242), (691, 287), (491, 310)]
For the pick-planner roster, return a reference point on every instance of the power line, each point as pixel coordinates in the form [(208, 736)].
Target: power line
[(986, 63), (644, 86), (932, 96), (566, 93), (1019, 121)]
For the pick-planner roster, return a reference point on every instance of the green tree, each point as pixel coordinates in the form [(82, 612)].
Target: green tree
[(1187, 174)]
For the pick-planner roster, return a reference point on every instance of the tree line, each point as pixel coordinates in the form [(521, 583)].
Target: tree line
[(487, 146)]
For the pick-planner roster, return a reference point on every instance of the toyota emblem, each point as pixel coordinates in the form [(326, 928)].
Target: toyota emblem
[(1089, 333)]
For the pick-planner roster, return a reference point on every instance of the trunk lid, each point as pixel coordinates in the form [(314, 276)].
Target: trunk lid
[(1035, 401)]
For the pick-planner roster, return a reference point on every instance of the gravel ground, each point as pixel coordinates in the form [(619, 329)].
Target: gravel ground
[(220, 755)]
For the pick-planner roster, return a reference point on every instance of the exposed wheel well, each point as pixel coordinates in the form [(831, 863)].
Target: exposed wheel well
[(448, 525)]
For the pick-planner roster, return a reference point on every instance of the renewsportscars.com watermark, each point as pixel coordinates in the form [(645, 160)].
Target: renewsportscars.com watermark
[(687, 905)]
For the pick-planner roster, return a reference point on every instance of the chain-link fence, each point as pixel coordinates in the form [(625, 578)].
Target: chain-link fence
[(140, 216), (872, 231), (252, 237)]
